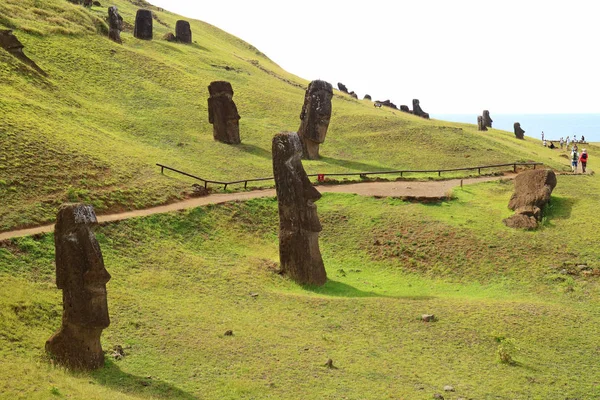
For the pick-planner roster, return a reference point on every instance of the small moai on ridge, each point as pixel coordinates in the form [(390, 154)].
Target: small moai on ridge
[(417, 110), (342, 87), (143, 25), (81, 275), (519, 132), (183, 31), (315, 116), (480, 125), (115, 24), (222, 113), (299, 224), (405, 108), (367, 97), (487, 120)]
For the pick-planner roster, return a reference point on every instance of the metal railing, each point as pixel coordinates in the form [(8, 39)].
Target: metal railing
[(361, 174)]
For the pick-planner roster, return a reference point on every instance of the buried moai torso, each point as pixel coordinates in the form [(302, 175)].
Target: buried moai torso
[(143, 25), (183, 32), (480, 124), (519, 132), (115, 24), (81, 275), (222, 113), (315, 116), (299, 224), (417, 110), (487, 120)]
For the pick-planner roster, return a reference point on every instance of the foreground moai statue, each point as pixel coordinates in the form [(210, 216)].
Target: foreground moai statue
[(480, 124), (519, 133), (115, 24), (417, 110), (532, 193), (315, 116), (487, 120), (299, 224), (143, 25), (81, 275), (183, 32), (222, 113)]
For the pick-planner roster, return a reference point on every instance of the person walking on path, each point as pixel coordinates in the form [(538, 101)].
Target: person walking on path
[(583, 160), (562, 143), (567, 142), (542, 136), (574, 159)]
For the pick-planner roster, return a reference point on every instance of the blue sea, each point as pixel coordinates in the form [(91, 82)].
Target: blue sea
[(554, 126)]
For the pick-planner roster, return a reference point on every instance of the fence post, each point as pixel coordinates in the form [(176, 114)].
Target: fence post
[(515, 167), (479, 170), (162, 169), (534, 165), (205, 184), (246, 185), (439, 173), (225, 187)]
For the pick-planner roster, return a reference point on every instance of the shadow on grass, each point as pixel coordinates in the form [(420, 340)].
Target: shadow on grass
[(559, 207), (254, 150), (339, 289), (358, 166), (114, 378)]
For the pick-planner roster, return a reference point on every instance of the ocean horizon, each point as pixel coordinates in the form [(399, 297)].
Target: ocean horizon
[(554, 126)]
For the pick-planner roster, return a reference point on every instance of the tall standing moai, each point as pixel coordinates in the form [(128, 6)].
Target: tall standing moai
[(222, 113), (81, 275), (299, 224), (519, 132), (315, 116), (115, 24), (183, 32), (143, 25), (480, 124), (487, 120), (417, 110)]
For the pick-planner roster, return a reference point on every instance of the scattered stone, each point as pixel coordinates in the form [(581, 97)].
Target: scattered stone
[(519, 132), (354, 95), (299, 224), (81, 275), (222, 113), (254, 295), (118, 352), (97, 4), (183, 31), (367, 97), (169, 37), (417, 110), (228, 332), (143, 25), (480, 124), (448, 388), (405, 108), (315, 115), (386, 103), (438, 396), (199, 190), (87, 3), (487, 120), (329, 364), (533, 190), (428, 318), (10, 43), (115, 25), (342, 87)]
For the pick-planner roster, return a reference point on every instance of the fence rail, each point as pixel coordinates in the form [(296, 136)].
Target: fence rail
[(361, 174)]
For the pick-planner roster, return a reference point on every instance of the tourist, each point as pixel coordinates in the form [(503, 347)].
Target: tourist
[(582, 138), (542, 136), (567, 142), (574, 159), (562, 142), (544, 142), (583, 160)]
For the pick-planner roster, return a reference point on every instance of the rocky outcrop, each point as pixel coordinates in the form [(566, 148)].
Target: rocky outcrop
[(183, 31), (143, 25), (532, 193), (223, 113), (519, 132), (315, 116)]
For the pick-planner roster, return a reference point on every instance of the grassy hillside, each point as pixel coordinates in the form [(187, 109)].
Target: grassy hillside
[(179, 281), (94, 128)]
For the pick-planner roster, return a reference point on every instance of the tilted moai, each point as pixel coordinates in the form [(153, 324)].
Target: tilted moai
[(417, 110), (480, 124), (183, 32), (487, 120), (519, 132), (299, 224), (222, 113), (115, 24), (143, 25), (81, 275), (10, 43), (342, 87), (315, 116), (533, 189)]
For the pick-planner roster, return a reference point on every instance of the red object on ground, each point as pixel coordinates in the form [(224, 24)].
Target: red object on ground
[(321, 177)]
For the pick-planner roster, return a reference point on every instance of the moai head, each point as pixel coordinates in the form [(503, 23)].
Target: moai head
[(115, 24), (487, 120), (519, 133), (299, 224), (143, 25), (81, 275), (9, 42), (417, 110), (315, 116), (342, 87), (222, 113), (183, 32), (480, 125)]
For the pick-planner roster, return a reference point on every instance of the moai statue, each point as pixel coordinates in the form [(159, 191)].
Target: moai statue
[(342, 87), (480, 125), (81, 275), (299, 224), (417, 110), (183, 32), (367, 97), (10, 43), (314, 117), (405, 109), (115, 24), (87, 3), (143, 25), (487, 120), (519, 133), (223, 114)]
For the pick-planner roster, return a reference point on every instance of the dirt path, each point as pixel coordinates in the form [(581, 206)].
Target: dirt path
[(426, 189)]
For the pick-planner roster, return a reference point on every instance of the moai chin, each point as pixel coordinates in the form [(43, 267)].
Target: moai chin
[(143, 25), (299, 224), (115, 24), (487, 120), (417, 110), (183, 32), (222, 113), (315, 116), (81, 275), (519, 132), (480, 125)]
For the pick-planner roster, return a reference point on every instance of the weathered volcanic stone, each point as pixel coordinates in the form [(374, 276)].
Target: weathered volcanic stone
[(143, 25), (487, 120), (519, 132), (222, 113), (342, 87), (299, 224), (183, 31), (387, 103), (533, 189), (417, 110), (480, 124), (352, 94), (367, 97), (404, 108), (315, 115), (115, 24), (81, 275)]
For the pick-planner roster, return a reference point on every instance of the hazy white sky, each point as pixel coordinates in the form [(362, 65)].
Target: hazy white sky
[(456, 56)]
